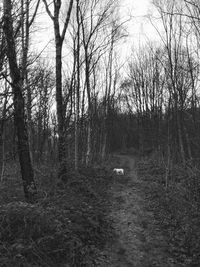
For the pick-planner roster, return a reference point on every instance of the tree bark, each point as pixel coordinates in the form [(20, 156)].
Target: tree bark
[(19, 119), (60, 115), (76, 133), (59, 38), (25, 47), (89, 127)]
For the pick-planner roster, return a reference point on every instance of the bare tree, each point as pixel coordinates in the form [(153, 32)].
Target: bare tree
[(27, 20), (173, 38), (77, 93), (59, 38), (95, 18), (17, 86)]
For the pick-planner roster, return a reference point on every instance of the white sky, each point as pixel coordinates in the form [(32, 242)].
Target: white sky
[(139, 27)]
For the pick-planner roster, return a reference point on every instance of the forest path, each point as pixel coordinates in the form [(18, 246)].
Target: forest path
[(139, 241)]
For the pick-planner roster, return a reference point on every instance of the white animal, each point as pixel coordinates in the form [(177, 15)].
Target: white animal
[(118, 171)]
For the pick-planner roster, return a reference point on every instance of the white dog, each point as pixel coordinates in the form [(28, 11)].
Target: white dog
[(118, 171)]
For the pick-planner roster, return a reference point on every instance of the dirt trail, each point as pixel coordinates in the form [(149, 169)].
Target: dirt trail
[(139, 242)]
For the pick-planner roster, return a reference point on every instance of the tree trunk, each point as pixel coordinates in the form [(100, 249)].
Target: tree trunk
[(2, 130), (59, 110), (77, 90), (180, 138), (187, 141), (19, 119), (3, 151), (59, 99), (27, 86), (88, 151), (29, 120), (59, 38), (89, 127), (104, 144)]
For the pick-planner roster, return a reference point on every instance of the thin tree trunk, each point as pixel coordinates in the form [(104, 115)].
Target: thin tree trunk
[(3, 130), (59, 99), (60, 115), (88, 151), (59, 38), (29, 120), (104, 143), (76, 135), (180, 139), (187, 142), (89, 130), (107, 97), (29, 93), (82, 126), (3, 152), (25, 29), (77, 89)]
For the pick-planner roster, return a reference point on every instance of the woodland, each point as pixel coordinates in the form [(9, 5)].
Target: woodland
[(64, 127)]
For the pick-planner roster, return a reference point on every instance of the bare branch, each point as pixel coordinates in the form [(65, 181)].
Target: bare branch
[(34, 14), (48, 10), (67, 20)]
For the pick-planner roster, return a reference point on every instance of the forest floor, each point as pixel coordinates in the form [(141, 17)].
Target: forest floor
[(138, 238), (99, 219)]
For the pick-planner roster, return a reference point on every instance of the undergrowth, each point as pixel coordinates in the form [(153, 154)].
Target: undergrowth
[(66, 227), (176, 207)]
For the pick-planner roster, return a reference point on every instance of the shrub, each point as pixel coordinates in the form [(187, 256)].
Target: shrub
[(67, 228), (176, 208)]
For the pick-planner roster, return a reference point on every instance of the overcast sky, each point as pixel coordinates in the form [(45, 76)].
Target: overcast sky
[(139, 27)]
